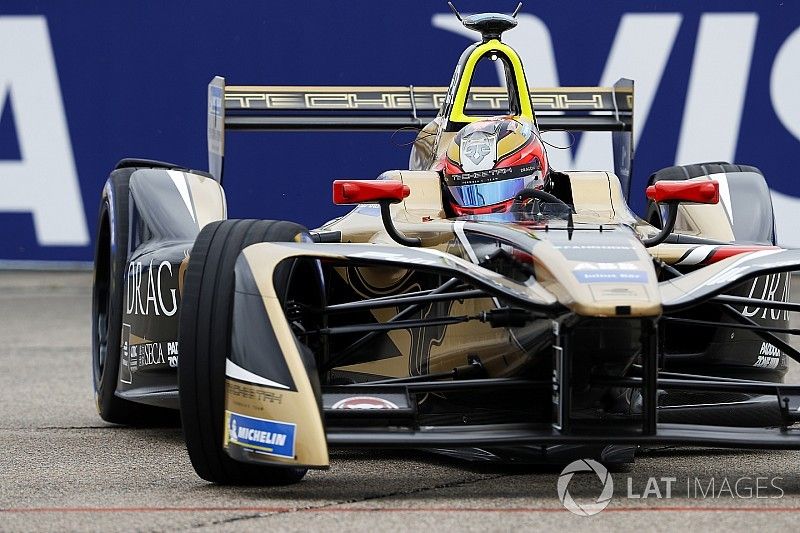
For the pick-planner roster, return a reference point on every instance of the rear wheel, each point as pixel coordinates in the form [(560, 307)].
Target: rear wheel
[(205, 336), (111, 254)]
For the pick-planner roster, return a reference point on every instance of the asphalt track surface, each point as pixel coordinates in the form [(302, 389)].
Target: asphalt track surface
[(63, 469)]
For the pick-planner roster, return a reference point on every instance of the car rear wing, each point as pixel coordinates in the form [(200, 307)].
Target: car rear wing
[(265, 108)]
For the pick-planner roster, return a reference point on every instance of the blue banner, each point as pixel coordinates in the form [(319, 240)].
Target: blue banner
[(86, 83)]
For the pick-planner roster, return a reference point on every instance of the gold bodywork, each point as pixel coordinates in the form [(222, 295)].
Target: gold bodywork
[(598, 201), (208, 199), (298, 407)]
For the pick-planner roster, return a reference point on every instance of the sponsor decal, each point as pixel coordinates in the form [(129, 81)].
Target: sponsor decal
[(479, 150), (216, 96), (611, 292), (364, 402), (598, 252), (606, 266), (125, 375), (618, 292), (148, 354), (159, 294), (476, 149), (770, 288), (153, 354), (768, 357), (491, 175), (770, 350), (369, 210), (329, 98), (269, 437), (593, 247), (249, 392), (557, 378), (172, 354), (611, 276)]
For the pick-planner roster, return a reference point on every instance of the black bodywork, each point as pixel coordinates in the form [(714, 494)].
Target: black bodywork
[(661, 380)]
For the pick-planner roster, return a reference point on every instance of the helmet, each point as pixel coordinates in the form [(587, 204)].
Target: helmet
[(490, 161)]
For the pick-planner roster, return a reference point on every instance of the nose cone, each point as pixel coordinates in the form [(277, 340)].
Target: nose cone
[(602, 274)]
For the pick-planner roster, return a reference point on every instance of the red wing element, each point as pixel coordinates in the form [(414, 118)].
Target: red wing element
[(696, 192), (724, 252), (368, 191), (707, 254)]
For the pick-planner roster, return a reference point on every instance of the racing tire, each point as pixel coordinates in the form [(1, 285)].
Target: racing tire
[(744, 181), (204, 339), (108, 293)]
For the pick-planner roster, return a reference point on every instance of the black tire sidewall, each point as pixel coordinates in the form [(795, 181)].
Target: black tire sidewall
[(204, 340), (114, 213)]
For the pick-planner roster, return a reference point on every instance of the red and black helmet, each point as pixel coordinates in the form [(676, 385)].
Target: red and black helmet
[(490, 161)]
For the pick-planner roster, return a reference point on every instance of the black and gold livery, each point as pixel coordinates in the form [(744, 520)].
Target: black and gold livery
[(554, 329)]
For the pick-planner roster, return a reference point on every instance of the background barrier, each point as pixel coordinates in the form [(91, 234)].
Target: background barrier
[(85, 83)]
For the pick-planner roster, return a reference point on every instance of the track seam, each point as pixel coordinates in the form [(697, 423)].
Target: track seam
[(420, 490)]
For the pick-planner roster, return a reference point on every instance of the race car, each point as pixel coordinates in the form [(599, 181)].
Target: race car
[(479, 304)]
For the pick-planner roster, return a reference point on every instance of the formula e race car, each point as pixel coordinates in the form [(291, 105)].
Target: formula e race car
[(480, 304)]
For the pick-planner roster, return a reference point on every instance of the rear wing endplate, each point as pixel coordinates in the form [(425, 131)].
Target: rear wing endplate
[(264, 108)]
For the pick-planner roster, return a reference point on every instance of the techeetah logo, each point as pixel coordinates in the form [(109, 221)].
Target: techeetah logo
[(477, 149)]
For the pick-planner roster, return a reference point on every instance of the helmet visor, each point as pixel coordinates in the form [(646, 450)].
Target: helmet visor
[(489, 187), (488, 193)]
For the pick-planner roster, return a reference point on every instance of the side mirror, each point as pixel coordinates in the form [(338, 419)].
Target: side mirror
[(672, 193), (697, 192), (384, 192), (369, 191)]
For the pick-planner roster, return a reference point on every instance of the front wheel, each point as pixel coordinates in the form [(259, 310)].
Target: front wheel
[(205, 339)]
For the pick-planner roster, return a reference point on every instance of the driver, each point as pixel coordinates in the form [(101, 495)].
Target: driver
[(491, 161)]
